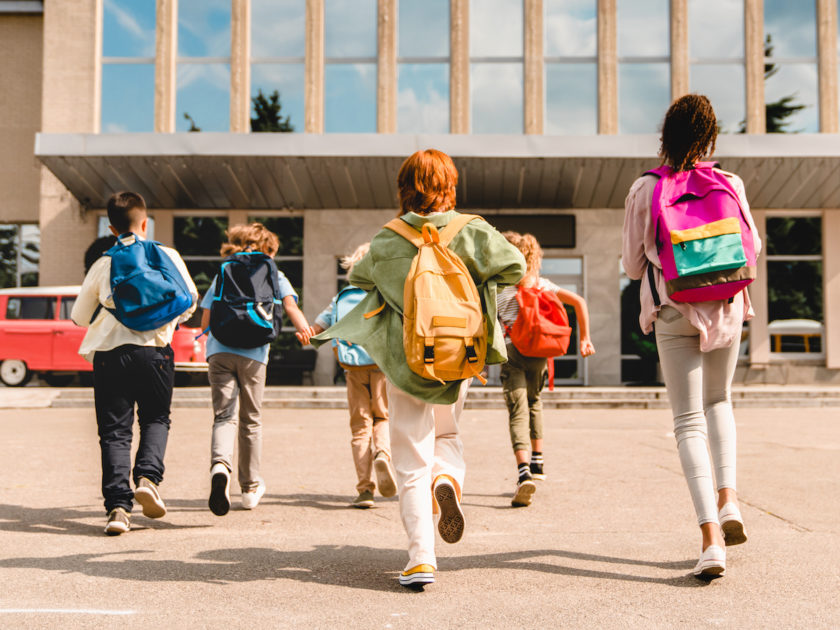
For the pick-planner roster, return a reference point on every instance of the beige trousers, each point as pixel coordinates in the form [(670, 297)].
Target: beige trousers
[(368, 404), (425, 444)]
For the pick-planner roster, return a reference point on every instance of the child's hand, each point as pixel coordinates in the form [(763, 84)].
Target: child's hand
[(304, 334), (586, 347)]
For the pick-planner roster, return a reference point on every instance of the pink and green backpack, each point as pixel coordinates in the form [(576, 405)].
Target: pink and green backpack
[(703, 238)]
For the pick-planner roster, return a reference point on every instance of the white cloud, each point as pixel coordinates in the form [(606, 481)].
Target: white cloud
[(428, 113), (571, 28), (350, 28), (496, 95), (112, 127), (278, 28), (131, 25), (716, 28), (190, 74), (643, 28), (496, 28)]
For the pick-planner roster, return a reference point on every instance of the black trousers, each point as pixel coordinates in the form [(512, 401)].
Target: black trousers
[(123, 377)]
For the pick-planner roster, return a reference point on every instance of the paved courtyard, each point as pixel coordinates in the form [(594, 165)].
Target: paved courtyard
[(608, 543)]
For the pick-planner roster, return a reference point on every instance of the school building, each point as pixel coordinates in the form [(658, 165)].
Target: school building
[(550, 109)]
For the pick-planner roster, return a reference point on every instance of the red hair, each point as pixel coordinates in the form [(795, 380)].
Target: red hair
[(427, 182)]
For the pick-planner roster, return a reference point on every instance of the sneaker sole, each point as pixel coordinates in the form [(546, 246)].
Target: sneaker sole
[(152, 507), (451, 524), (538, 476), (219, 502), (115, 529), (417, 580), (733, 533), (524, 494), (384, 479), (710, 571), (366, 505)]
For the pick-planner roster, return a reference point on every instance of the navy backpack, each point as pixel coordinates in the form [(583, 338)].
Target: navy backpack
[(247, 311), (146, 286)]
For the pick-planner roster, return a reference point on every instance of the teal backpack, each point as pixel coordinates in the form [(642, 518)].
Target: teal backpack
[(349, 355)]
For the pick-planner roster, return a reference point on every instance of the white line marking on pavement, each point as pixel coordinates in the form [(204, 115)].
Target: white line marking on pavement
[(65, 611)]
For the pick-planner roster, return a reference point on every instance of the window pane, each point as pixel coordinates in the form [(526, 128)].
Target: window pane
[(31, 308), (794, 290), (571, 29), (350, 98), (571, 91), (562, 267), (128, 28), (204, 28), (288, 80), (496, 96), (794, 236), (8, 255), (204, 94), (496, 28), (423, 98), (350, 28), (199, 236), (716, 28), (643, 28), (424, 28), (792, 27), (278, 28), (724, 85), (643, 96), (792, 86), (289, 230), (202, 273), (66, 307), (128, 98)]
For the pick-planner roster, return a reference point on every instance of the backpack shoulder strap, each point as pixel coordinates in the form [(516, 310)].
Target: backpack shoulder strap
[(659, 173), (451, 229), (405, 230)]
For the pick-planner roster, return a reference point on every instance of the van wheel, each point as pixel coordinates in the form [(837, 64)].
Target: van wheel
[(14, 373), (58, 380)]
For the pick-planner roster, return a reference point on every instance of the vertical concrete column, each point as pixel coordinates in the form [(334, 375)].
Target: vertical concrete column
[(754, 57), (164, 227), (314, 95), (607, 68), (459, 66), (827, 51), (831, 288), (166, 52), (680, 68), (759, 335), (240, 66), (386, 67), (534, 67)]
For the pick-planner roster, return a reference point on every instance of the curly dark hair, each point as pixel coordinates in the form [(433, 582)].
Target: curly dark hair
[(688, 132)]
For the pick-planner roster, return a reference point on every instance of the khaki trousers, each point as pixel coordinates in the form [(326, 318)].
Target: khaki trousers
[(522, 381), (235, 377), (368, 404)]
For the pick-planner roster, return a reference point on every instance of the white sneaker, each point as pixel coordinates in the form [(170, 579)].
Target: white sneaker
[(732, 525), (451, 519), (384, 475), (219, 501), (251, 499), (712, 563)]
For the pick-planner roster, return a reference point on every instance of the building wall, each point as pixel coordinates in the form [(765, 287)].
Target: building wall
[(21, 46)]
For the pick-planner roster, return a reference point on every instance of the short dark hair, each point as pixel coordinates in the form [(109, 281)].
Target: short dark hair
[(688, 132), (97, 248), (126, 210)]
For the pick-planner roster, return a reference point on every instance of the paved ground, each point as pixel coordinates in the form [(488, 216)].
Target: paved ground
[(608, 542)]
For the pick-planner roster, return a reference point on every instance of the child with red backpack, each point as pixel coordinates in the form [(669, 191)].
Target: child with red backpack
[(366, 397), (536, 330), (689, 236), (429, 322)]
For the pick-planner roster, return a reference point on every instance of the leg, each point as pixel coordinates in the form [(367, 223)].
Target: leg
[(361, 426), (155, 377), (224, 389), (379, 408), (515, 388), (251, 378), (449, 450), (718, 370), (536, 375)]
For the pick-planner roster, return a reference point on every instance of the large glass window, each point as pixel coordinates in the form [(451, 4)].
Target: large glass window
[(277, 64), (571, 70), (128, 66), (423, 66), (203, 74), (496, 66), (790, 66), (644, 88), (19, 255), (350, 51), (199, 241)]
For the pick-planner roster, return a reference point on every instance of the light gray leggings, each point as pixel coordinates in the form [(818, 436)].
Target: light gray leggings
[(698, 385)]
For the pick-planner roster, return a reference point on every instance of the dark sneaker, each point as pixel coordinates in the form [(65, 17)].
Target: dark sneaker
[(119, 522), (147, 495), (524, 493), (451, 523), (537, 471), (219, 501), (384, 475), (364, 500), (418, 577)]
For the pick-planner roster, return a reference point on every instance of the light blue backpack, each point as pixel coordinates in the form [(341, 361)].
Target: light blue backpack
[(349, 355)]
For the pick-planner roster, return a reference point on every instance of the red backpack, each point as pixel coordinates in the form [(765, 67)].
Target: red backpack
[(541, 328)]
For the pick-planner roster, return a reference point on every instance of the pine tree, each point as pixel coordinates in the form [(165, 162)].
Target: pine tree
[(267, 115)]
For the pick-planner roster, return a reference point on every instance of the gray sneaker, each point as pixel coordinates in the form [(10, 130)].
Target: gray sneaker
[(147, 495), (119, 522), (384, 475), (364, 500)]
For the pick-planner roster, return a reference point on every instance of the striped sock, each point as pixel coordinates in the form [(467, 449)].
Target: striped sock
[(524, 472), (536, 457)]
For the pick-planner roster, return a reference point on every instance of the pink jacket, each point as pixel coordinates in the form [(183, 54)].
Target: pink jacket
[(719, 322)]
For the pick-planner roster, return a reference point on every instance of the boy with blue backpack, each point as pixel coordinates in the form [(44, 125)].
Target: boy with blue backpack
[(243, 311), (366, 397), (131, 301)]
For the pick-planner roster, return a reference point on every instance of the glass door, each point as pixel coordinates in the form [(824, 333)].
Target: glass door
[(567, 273)]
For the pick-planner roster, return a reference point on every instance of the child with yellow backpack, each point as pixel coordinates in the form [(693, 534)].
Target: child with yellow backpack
[(429, 322)]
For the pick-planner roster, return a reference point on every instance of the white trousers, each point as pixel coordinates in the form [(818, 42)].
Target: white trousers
[(698, 385), (424, 444)]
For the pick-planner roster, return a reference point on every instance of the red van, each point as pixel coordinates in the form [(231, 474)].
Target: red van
[(38, 336)]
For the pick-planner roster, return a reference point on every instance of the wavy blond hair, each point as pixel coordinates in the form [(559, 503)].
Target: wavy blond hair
[(250, 238), (347, 262), (530, 248)]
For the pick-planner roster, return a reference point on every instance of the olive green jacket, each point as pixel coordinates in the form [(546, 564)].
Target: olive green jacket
[(491, 261)]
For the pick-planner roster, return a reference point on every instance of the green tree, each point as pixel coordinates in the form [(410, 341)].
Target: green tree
[(267, 116), (8, 256)]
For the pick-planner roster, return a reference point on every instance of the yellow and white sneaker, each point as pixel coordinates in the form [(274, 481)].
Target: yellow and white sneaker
[(418, 577)]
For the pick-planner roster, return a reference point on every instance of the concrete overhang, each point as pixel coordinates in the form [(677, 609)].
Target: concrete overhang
[(335, 171)]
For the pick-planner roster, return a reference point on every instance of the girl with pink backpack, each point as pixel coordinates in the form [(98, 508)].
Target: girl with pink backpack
[(689, 236)]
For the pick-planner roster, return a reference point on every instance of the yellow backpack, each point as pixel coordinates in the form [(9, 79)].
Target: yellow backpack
[(444, 332)]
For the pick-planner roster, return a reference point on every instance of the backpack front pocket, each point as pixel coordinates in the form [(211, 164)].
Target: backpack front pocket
[(707, 248)]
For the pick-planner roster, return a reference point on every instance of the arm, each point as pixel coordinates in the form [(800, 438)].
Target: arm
[(633, 257), (205, 318), (88, 299), (582, 313), (185, 274), (304, 330), (361, 275)]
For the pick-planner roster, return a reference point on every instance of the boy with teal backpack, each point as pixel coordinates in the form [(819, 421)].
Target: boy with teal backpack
[(366, 397)]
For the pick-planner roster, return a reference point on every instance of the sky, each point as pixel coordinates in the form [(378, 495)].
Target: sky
[(496, 77)]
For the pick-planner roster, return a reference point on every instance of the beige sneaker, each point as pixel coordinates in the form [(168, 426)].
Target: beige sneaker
[(147, 495), (119, 522), (384, 475), (251, 499), (451, 522)]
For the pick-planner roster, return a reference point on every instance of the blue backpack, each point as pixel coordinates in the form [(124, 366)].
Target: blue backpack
[(349, 355), (247, 310), (146, 286)]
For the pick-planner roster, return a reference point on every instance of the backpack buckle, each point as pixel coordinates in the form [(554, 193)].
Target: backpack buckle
[(428, 354), (472, 357)]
